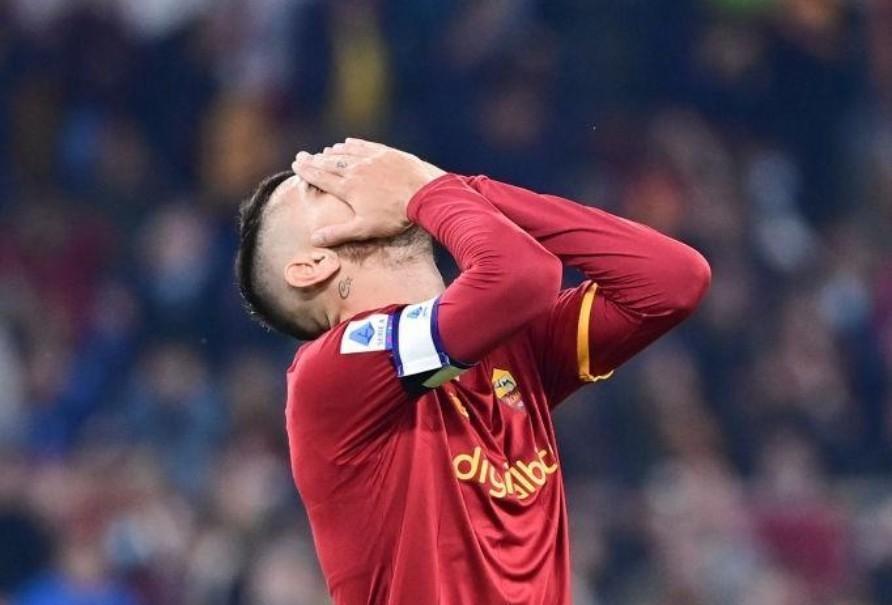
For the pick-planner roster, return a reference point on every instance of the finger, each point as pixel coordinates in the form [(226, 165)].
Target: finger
[(333, 165), (363, 147), (323, 179), (333, 235), (299, 159), (336, 148), (356, 151), (337, 164), (339, 149), (343, 148), (364, 142), (302, 156), (331, 160)]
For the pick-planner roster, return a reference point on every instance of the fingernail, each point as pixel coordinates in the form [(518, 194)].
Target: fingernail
[(317, 239)]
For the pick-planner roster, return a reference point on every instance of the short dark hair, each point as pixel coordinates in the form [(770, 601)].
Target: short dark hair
[(258, 302)]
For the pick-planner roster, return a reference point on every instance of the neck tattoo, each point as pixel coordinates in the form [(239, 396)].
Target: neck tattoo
[(344, 287)]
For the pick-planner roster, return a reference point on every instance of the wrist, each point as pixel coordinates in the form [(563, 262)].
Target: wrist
[(417, 200)]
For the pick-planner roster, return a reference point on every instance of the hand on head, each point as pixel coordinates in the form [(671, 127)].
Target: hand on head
[(375, 180)]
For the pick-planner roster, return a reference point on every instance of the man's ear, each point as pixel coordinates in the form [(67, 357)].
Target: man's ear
[(311, 269)]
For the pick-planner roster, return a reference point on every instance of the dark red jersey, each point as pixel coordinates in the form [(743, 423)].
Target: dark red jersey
[(421, 436)]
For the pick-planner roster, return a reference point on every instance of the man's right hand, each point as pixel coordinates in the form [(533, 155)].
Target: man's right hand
[(375, 180)]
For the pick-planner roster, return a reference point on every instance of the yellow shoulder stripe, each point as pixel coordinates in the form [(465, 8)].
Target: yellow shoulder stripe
[(583, 355)]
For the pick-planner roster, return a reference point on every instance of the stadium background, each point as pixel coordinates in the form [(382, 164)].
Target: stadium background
[(745, 460)]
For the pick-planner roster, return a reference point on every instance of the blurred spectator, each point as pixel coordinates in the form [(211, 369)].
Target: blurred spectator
[(172, 407)]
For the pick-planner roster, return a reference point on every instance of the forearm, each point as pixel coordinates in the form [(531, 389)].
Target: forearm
[(642, 271), (503, 268)]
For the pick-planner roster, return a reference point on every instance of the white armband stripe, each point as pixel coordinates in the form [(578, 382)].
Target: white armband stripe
[(416, 345), (415, 350)]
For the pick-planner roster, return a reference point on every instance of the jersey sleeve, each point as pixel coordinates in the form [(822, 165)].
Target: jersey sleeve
[(344, 399), (584, 338), (641, 284), (562, 344), (507, 280)]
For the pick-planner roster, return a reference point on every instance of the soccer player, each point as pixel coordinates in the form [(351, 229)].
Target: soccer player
[(419, 415)]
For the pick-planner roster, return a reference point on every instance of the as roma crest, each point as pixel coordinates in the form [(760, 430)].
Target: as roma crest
[(505, 388)]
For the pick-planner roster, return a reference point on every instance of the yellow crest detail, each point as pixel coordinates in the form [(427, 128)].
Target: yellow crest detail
[(457, 404), (505, 388)]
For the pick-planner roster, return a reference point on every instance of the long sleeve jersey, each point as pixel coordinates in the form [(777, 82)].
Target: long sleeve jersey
[(420, 435)]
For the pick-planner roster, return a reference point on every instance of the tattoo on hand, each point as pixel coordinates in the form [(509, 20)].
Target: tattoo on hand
[(344, 287)]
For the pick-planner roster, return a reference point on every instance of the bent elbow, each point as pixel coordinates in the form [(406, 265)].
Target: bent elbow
[(693, 280), (550, 278), (537, 283)]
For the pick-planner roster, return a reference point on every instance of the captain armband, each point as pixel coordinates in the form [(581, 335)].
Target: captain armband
[(417, 348)]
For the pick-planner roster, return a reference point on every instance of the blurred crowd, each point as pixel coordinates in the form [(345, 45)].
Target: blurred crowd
[(744, 460)]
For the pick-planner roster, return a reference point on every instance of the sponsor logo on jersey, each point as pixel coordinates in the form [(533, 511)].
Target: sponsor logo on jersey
[(505, 388), (519, 479)]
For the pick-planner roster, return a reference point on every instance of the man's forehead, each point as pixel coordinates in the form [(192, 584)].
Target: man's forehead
[(285, 192), (281, 221)]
